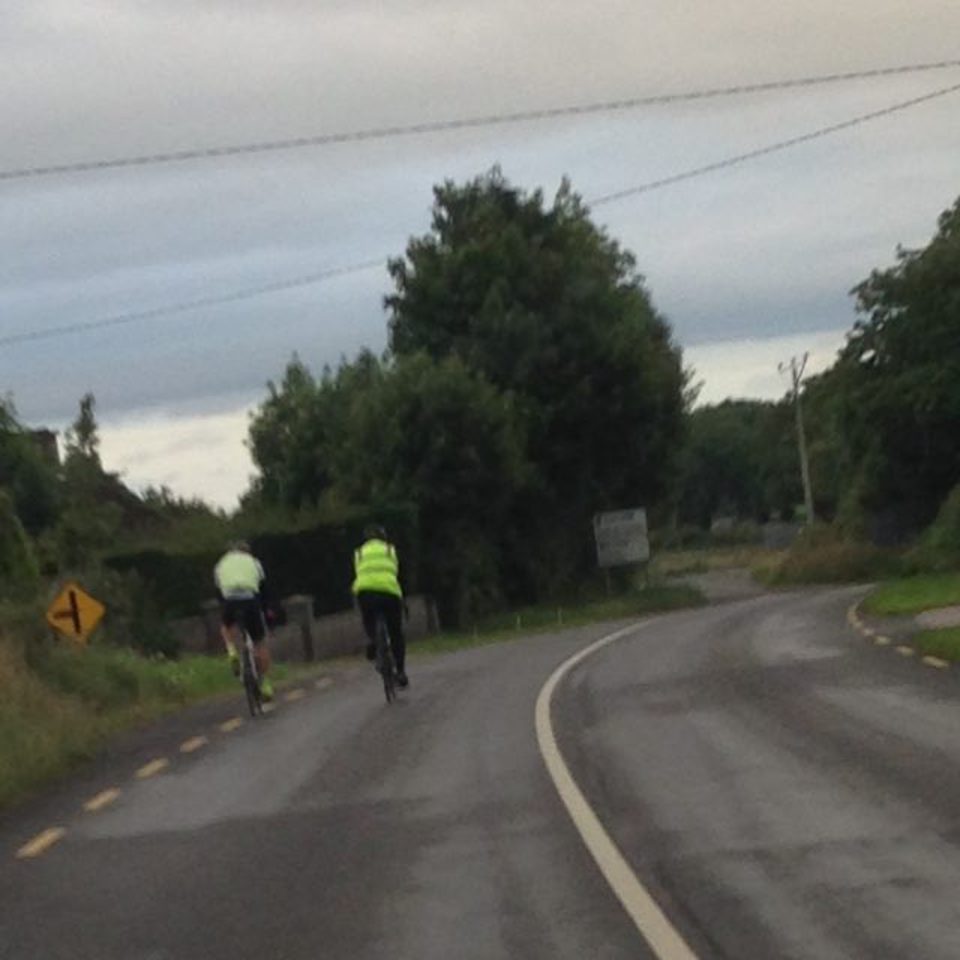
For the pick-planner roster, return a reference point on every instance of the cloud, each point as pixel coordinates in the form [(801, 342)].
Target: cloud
[(739, 369), (771, 247), (200, 455)]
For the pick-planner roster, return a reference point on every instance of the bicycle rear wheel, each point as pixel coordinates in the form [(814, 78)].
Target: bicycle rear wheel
[(385, 661), (251, 684)]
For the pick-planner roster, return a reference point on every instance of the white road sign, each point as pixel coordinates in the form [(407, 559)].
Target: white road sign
[(621, 537)]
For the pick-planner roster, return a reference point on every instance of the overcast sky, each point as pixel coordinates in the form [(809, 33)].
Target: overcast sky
[(749, 264)]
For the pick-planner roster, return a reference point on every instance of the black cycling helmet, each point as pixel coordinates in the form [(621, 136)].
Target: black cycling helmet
[(374, 531)]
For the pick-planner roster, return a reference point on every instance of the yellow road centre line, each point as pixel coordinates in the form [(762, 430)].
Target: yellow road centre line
[(194, 743), (651, 922), (230, 725), (936, 662), (323, 683), (101, 800), (152, 768), (905, 651), (881, 641), (40, 843), (294, 695)]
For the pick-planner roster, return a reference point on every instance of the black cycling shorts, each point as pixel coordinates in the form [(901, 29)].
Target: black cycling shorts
[(246, 611)]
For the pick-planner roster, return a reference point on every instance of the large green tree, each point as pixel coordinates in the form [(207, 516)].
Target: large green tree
[(550, 310), (440, 436), (92, 515), (895, 390), (297, 430)]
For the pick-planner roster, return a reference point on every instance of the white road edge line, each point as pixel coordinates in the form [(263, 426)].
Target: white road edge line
[(649, 919)]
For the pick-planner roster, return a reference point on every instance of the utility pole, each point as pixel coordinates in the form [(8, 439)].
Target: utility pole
[(796, 368)]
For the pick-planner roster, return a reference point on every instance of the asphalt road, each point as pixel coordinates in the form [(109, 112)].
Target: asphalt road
[(780, 786)]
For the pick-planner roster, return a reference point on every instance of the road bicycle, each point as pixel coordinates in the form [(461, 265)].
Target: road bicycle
[(385, 664)]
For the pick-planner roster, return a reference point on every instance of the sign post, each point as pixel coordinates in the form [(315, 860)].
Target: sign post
[(74, 613), (621, 537)]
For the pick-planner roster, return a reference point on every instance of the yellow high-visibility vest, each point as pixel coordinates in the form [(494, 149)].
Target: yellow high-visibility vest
[(238, 574), (376, 569)]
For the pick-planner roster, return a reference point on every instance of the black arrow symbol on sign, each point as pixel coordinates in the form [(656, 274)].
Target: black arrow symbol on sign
[(72, 614)]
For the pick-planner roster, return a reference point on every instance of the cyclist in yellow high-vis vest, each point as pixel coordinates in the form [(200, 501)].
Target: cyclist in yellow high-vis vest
[(376, 586), (240, 579)]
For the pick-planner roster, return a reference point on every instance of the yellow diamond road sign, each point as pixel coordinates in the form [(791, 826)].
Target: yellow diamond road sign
[(75, 613)]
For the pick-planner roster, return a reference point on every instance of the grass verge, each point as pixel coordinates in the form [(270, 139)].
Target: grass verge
[(914, 594), (546, 617), (58, 704), (943, 643), (675, 563)]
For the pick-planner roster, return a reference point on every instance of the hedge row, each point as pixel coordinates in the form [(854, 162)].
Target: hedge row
[(317, 561)]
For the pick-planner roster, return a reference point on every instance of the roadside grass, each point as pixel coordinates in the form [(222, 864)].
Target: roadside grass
[(675, 563), (914, 594), (944, 643), (546, 617), (58, 704), (41, 734)]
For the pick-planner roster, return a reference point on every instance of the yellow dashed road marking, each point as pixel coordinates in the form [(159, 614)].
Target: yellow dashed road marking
[(40, 843), (152, 768), (323, 683), (269, 707), (294, 695), (230, 725), (101, 800), (883, 641), (194, 743)]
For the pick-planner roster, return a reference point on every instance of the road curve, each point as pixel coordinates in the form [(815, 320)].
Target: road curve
[(782, 788)]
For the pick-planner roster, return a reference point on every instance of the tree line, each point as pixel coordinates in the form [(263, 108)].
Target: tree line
[(883, 422), (529, 382)]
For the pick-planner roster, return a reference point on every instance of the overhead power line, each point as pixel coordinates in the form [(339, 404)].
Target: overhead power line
[(328, 274), (770, 148), (184, 306), (440, 126)]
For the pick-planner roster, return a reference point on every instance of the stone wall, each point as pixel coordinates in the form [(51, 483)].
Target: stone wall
[(303, 637)]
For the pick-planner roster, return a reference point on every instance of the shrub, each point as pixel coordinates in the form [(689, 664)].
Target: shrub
[(134, 617), (19, 573), (822, 554), (944, 533)]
